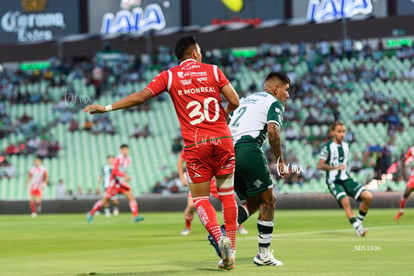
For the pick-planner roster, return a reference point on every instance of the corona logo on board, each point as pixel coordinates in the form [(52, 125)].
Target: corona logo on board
[(34, 5)]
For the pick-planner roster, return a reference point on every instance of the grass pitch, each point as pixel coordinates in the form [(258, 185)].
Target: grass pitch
[(308, 242)]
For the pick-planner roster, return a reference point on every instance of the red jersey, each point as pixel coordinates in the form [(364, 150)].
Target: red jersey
[(195, 91), (409, 157), (38, 176), (120, 167)]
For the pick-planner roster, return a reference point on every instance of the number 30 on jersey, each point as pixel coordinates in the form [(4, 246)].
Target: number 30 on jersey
[(201, 112)]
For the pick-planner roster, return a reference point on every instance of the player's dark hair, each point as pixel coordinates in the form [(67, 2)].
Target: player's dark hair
[(182, 46), (109, 156), (278, 75), (337, 123), (124, 146)]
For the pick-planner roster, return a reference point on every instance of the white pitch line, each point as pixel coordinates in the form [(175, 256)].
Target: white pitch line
[(276, 236)]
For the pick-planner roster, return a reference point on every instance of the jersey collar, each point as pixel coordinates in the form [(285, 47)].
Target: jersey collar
[(187, 60), (274, 97)]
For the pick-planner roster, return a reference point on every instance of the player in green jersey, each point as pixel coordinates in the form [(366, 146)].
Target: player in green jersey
[(259, 115), (333, 159)]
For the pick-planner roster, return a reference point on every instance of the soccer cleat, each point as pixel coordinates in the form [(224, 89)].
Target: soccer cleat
[(115, 212), (397, 216), (221, 263), (226, 253), (267, 260), (33, 215), (185, 232), (361, 231), (138, 218), (213, 242), (89, 217), (242, 230), (107, 213)]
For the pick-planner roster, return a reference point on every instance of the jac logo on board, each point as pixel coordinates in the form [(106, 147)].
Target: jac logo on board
[(325, 10)]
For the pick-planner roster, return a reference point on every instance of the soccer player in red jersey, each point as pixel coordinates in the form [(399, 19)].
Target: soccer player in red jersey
[(38, 179), (118, 185), (409, 157), (196, 89)]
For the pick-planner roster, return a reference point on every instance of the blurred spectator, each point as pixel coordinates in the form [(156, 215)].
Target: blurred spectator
[(291, 133), (65, 116), (43, 150), (79, 191), (60, 190), (157, 189), (12, 149), (177, 146), (355, 165), (6, 169), (88, 125), (350, 136), (146, 132), (136, 131), (73, 125)]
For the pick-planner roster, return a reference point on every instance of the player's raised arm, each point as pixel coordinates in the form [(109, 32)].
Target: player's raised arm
[(129, 101), (231, 96), (275, 142)]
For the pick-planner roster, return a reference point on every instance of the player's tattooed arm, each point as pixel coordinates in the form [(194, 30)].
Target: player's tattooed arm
[(275, 142)]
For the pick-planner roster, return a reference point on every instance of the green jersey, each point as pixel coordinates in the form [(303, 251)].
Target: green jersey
[(250, 119), (335, 155), (106, 173)]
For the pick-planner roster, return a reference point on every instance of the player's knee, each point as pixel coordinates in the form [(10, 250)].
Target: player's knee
[(367, 197), (344, 202), (225, 182), (270, 201)]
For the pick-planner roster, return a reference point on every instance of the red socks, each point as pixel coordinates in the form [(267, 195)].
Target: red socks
[(226, 196), (96, 207), (33, 206), (188, 220), (402, 203), (134, 208), (208, 216)]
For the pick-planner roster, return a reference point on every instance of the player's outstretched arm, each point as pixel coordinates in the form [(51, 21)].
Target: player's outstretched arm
[(231, 96), (129, 101), (275, 142)]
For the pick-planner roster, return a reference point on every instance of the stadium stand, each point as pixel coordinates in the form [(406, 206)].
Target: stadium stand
[(374, 103)]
